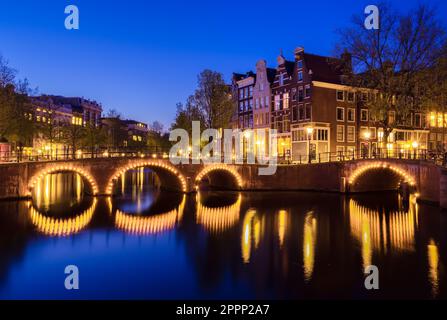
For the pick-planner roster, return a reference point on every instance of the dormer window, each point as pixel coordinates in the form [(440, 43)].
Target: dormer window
[(281, 79)]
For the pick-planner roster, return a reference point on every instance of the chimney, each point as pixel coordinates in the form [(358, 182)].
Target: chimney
[(346, 58), (299, 51)]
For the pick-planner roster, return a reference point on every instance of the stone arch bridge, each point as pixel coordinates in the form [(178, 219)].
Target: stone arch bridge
[(427, 179)]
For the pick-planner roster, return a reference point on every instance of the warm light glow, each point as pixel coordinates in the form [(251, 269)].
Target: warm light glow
[(216, 220), (61, 226), (415, 145), (377, 232), (223, 167), (433, 263), (143, 225), (309, 241), (377, 165), (139, 164), (282, 226), (251, 234), (310, 130), (367, 134), (64, 168)]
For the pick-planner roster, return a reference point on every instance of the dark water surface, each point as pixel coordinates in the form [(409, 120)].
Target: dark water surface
[(147, 243)]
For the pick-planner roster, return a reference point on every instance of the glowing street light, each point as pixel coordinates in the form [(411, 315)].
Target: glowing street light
[(310, 132)]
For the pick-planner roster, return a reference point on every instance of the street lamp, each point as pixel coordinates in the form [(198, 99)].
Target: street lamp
[(310, 132), (415, 146), (367, 136)]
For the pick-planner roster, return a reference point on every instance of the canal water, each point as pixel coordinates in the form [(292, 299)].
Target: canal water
[(150, 244)]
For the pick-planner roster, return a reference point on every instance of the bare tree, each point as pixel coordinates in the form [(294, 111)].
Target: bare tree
[(213, 99), (390, 60)]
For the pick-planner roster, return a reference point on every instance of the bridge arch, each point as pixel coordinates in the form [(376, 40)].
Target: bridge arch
[(63, 168), (379, 176), (220, 175), (169, 176)]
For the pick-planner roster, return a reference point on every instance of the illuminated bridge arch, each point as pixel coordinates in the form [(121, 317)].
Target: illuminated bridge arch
[(169, 176), (379, 176), (64, 168), (221, 176)]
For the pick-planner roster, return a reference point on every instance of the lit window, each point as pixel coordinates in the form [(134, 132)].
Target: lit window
[(440, 120), (351, 134), (277, 102), (340, 133), (432, 119), (391, 117), (285, 98)]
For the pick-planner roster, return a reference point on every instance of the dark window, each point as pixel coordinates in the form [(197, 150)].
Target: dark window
[(308, 111), (300, 95), (294, 113), (307, 92)]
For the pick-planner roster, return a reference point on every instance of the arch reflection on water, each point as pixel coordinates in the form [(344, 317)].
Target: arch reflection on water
[(61, 226), (144, 225), (218, 219), (378, 231)]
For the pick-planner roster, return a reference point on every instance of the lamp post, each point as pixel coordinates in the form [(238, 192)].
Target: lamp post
[(367, 137), (310, 132), (415, 146)]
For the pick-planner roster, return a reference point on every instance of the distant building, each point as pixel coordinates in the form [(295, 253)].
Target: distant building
[(243, 96), (56, 111), (125, 133), (262, 96)]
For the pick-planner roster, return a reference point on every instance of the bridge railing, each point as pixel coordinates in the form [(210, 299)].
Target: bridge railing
[(24, 156), (437, 157)]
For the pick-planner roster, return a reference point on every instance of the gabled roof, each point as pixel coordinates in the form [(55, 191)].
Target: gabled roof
[(271, 73), (325, 69)]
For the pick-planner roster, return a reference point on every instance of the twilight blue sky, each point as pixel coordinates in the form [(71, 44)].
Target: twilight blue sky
[(141, 57)]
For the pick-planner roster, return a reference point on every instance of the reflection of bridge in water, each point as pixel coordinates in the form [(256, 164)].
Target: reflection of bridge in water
[(360, 175)]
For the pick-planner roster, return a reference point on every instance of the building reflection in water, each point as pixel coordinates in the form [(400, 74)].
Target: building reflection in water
[(52, 226), (59, 191), (251, 234), (309, 242), (379, 232), (433, 264), (218, 219)]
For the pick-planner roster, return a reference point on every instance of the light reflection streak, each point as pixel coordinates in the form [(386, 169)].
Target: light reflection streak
[(310, 237), (144, 225), (61, 226), (251, 234), (378, 232), (218, 219), (433, 263)]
